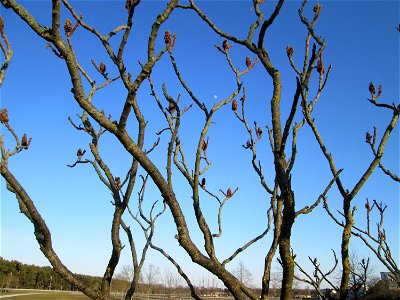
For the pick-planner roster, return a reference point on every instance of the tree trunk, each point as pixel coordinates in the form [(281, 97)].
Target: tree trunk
[(346, 267), (268, 259), (288, 217)]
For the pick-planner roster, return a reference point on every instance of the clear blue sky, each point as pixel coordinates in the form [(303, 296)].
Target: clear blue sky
[(362, 46)]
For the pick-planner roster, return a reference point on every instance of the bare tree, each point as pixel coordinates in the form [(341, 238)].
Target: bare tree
[(151, 277), (318, 276), (282, 134), (243, 274), (375, 240)]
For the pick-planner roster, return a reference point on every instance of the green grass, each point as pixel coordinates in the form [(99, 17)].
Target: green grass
[(50, 296)]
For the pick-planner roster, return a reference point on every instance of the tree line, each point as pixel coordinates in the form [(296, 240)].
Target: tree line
[(14, 274)]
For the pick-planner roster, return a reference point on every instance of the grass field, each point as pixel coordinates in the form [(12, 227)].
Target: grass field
[(41, 295), (53, 296)]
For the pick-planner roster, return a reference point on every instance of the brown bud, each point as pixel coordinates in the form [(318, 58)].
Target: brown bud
[(372, 88), (234, 105), (68, 27), (25, 142), (289, 51), (171, 107), (167, 38), (204, 146), (259, 131), (80, 153), (118, 182), (248, 144), (317, 8), (367, 206), (1, 25), (248, 62), (225, 45), (368, 137), (4, 115), (102, 68), (229, 193), (128, 4), (320, 67), (203, 183)]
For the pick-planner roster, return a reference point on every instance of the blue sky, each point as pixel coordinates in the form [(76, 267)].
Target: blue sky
[(362, 46)]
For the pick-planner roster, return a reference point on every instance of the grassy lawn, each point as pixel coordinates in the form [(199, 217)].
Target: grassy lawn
[(53, 296), (47, 296)]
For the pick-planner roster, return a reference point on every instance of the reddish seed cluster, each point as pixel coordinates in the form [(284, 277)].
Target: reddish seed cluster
[(248, 62), (234, 105), (204, 146), (167, 38), (4, 115), (68, 27), (371, 88), (171, 107), (289, 51), (225, 45), (118, 182), (102, 68), (259, 131), (25, 142)]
